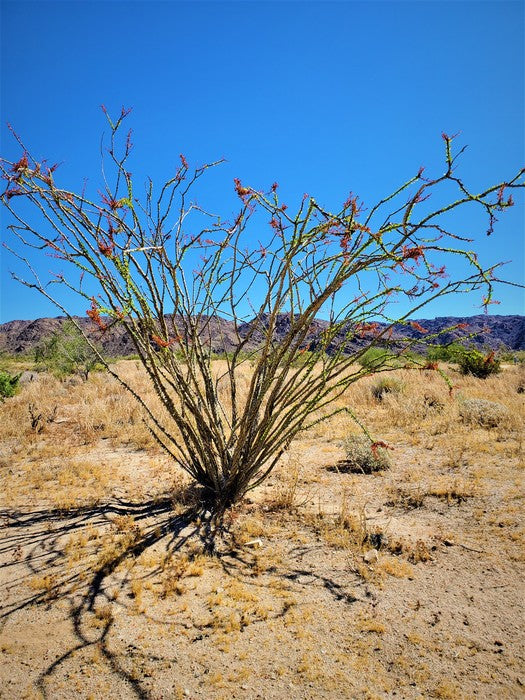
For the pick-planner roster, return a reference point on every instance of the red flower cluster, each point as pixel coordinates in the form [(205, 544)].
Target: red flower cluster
[(165, 343), (377, 444), (352, 203), (413, 253), (489, 360), (111, 202), (418, 327), (430, 365), (94, 315), (22, 164), (106, 248), (241, 191), (363, 328)]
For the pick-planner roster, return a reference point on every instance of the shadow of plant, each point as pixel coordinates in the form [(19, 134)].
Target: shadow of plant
[(37, 541)]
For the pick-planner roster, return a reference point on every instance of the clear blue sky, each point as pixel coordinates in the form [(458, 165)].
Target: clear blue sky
[(323, 97)]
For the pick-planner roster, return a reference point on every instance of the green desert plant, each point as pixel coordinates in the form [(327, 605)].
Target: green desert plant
[(376, 358), (8, 384), (67, 352), (169, 273), (445, 353), (478, 364)]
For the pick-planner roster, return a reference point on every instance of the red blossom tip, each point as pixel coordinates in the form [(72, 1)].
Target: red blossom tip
[(418, 327), (20, 165), (241, 191), (94, 314), (431, 365), (377, 444)]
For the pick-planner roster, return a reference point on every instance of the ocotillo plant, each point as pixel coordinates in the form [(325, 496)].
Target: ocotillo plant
[(348, 267)]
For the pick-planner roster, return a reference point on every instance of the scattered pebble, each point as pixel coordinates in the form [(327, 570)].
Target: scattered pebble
[(371, 556)]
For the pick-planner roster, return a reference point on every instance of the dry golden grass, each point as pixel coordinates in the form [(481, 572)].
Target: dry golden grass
[(291, 606)]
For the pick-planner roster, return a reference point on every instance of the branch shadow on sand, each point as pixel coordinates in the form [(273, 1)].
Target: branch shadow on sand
[(34, 547)]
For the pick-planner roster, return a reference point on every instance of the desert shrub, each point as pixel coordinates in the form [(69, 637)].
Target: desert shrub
[(364, 456), (488, 414), (514, 357), (67, 352), (445, 353), (375, 358), (8, 384), (477, 364), (386, 385)]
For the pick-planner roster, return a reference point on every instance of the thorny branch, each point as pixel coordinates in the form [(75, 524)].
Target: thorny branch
[(349, 268)]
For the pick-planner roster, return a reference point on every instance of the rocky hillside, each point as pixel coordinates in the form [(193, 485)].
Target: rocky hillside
[(484, 331)]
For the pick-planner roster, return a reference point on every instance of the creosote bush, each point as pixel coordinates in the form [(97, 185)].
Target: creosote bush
[(67, 352), (376, 358), (477, 364), (306, 295)]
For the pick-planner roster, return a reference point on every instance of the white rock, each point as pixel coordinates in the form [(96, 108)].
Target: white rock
[(371, 556)]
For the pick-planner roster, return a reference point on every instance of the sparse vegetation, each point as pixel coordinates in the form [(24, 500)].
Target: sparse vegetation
[(229, 436), (478, 364), (386, 385), (100, 506)]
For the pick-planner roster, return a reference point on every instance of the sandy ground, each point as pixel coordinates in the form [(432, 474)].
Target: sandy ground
[(111, 596)]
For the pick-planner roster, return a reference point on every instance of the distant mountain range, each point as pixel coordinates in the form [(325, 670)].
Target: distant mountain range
[(485, 332)]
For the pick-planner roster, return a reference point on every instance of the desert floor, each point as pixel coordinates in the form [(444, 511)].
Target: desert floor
[(106, 592)]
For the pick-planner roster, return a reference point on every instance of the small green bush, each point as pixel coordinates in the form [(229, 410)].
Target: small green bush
[(362, 458), (8, 384), (488, 414), (477, 364), (386, 385), (445, 353), (67, 352), (375, 358)]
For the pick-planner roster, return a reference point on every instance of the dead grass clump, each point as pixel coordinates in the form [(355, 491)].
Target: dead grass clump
[(488, 414), (386, 385), (406, 498), (451, 490)]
